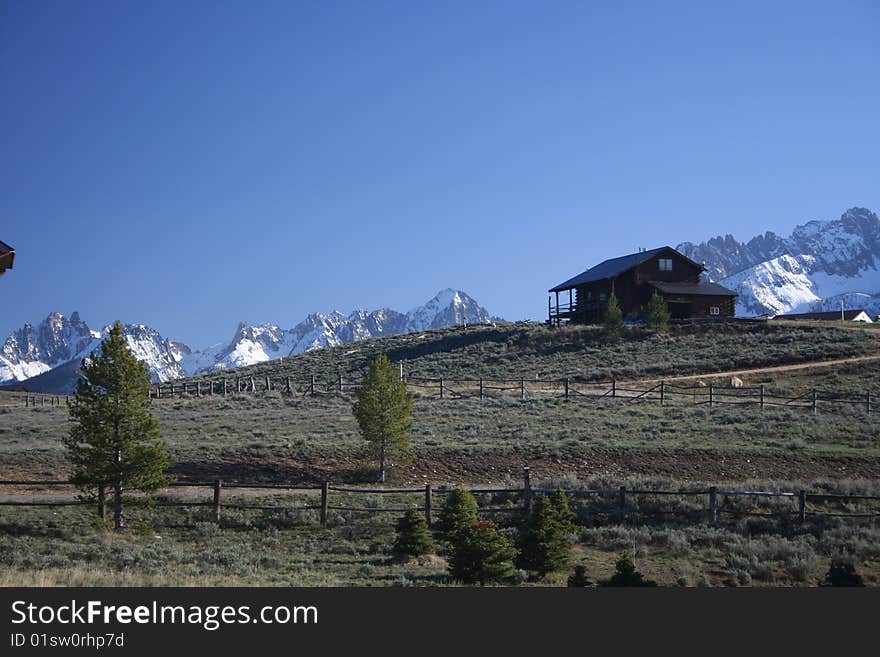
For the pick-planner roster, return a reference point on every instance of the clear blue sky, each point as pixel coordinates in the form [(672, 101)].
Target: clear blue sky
[(191, 164)]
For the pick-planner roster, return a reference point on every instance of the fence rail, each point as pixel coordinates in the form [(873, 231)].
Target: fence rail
[(524, 389), (620, 508)]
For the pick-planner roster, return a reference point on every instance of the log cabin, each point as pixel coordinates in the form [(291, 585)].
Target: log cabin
[(7, 255), (633, 279)]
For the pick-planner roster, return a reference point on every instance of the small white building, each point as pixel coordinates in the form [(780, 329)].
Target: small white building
[(854, 315)]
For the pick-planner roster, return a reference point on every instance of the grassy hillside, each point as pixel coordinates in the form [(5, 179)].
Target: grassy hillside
[(510, 351), (272, 437)]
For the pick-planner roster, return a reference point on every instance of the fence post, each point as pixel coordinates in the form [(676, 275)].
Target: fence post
[(325, 493), (802, 505), (400, 377), (184, 388), (312, 385), (613, 388), (289, 389), (172, 389), (566, 388), (218, 486), (868, 402), (253, 385), (268, 384), (713, 505), (527, 487), (762, 396), (481, 388), (441, 387), (621, 503), (198, 388), (224, 387), (814, 400), (711, 389), (428, 504), (26, 400), (522, 389), (662, 393)]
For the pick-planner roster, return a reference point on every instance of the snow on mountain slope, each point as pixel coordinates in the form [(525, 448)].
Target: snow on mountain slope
[(59, 341), (257, 344), (820, 260), (774, 286), (31, 350), (449, 307)]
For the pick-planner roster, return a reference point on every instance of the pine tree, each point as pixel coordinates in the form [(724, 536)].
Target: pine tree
[(545, 542), (482, 555), (579, 577), (114, 439), (626, 574), (458, 516), (383, 409), (657, 314), (613, 318), (413, 538)]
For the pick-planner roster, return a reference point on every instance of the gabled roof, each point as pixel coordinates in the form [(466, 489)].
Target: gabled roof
[(615, 267), (696, 289), (831, 315), (5, 248)]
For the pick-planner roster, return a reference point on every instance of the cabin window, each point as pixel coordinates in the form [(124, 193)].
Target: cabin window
[(665, 264), (603, 296), (714, 310)]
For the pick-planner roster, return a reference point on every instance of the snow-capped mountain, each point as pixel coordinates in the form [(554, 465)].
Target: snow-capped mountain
[(821, 263), (60, 341), (34, 350), (256, 344)]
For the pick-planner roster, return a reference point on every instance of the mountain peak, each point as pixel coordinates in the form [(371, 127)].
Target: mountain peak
[(57, 341), (820, 259)]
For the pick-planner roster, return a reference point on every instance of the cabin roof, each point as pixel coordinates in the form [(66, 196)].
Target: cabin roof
[(832, 315), (697, 289), (614, 267), (7, 256)]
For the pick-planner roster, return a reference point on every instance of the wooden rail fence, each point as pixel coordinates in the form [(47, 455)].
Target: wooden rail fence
[(521, 388), (524, 389), (620, 508)]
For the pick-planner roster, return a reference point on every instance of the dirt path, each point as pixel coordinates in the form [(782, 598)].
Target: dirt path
[(760, 370)]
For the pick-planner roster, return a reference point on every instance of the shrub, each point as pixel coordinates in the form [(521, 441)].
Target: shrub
[(626, 574), (412, 535), (842, 572), (481, 555)]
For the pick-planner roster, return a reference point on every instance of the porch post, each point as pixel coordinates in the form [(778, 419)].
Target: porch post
[(557, 308)]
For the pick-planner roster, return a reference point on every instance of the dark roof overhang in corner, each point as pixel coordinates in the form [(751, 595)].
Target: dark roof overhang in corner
[(695, 289), (616, 266), (7, 255)]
